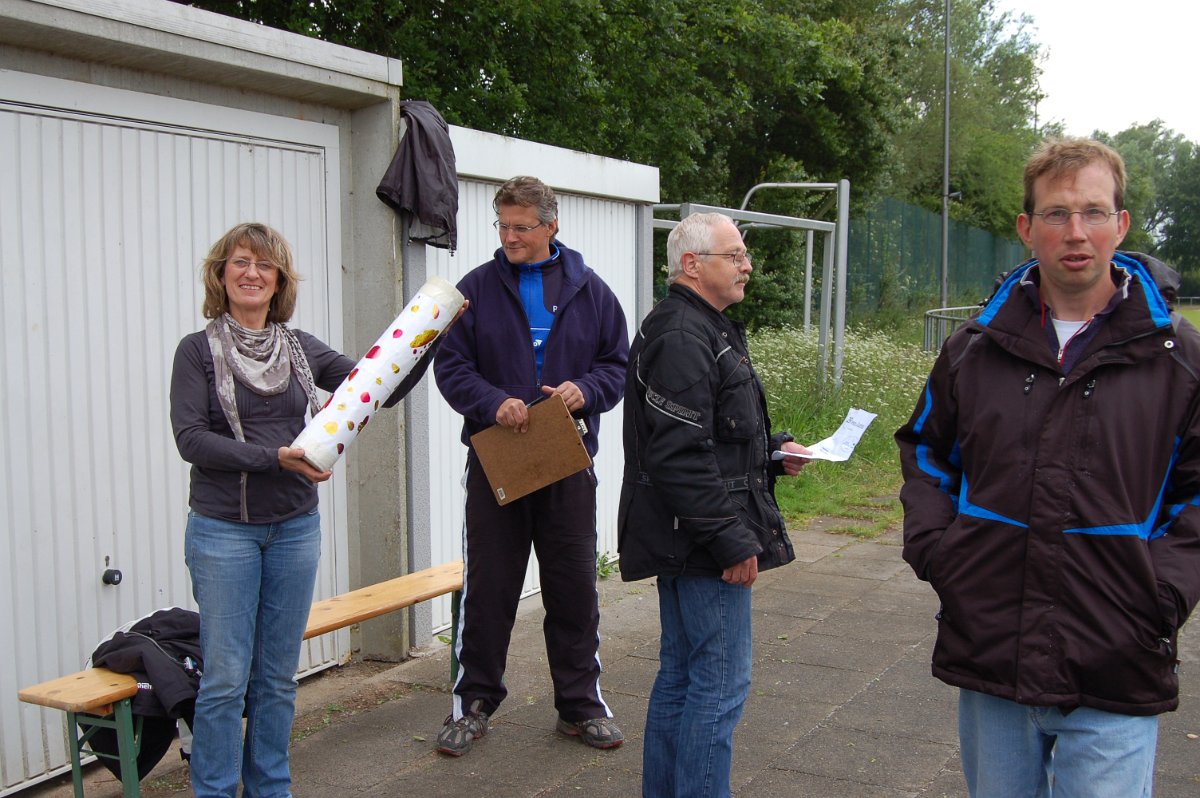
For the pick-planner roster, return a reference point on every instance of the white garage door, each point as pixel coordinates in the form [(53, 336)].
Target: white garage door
[(108, 201)]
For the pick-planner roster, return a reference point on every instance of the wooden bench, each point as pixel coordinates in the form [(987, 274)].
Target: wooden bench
[(97, 698)]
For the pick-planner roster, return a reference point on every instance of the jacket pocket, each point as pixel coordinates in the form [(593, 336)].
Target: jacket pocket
[(736, 417), (647, 531)]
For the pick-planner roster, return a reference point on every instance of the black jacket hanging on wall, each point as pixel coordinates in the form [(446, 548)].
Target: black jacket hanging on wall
[(422, 180)]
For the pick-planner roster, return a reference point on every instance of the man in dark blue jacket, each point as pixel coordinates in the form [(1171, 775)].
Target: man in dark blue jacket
[(541, 323)]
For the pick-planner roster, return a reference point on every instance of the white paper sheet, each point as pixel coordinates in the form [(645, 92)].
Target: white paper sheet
[(840, 445)]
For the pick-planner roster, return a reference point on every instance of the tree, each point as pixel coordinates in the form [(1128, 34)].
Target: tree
[(1149, 152), (1179, 202), (720, 94), (994, 93), (711, 91)]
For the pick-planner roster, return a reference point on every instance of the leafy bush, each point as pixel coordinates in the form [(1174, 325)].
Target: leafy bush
[(881, 374)]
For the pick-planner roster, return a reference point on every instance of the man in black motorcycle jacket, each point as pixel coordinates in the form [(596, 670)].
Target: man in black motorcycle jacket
[(697, 508)]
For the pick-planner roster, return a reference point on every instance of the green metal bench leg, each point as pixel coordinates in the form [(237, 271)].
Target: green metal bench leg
[(81, 727), (73, 742), (127, 749), (455, 601)]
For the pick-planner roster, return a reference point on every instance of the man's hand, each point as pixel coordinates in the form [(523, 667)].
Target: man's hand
[(570, 393), (744, 573), (292, 459), (513, 414), (793, 465)]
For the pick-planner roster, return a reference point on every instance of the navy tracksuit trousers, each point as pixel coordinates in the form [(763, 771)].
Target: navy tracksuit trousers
[(559, 521)]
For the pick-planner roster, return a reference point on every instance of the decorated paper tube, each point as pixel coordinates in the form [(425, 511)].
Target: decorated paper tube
[(384, 367)]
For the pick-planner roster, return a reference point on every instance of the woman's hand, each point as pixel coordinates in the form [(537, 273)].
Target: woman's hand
[(291, 458)]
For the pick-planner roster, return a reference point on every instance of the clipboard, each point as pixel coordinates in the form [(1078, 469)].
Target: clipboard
[(517, 464)]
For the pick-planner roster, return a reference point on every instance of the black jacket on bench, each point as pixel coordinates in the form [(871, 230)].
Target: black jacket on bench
[(161, 651), (155, 651)]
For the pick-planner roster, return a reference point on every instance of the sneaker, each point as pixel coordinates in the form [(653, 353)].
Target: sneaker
[(597, 732), (456, 736)]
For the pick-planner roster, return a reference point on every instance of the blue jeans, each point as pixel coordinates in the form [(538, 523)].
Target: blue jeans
[(703, 681), (254, 587), (1018, 751)]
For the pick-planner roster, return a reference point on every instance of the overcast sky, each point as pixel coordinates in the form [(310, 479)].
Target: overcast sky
[(1109, 65)]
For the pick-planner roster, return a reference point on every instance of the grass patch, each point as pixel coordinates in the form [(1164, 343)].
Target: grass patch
[(883, 372), (606, 565), (1191, 313)]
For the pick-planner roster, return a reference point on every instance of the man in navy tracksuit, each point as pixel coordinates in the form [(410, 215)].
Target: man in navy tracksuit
[(540, 323)]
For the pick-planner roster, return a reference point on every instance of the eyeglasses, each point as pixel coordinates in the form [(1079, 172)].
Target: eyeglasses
[(519, 229), (243, 264), (737, 258), (1060, 216)]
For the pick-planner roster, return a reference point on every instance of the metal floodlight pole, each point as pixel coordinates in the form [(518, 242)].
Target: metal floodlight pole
[(945, 293)]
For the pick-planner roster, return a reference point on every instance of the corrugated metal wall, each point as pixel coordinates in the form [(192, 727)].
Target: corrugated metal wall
[(604, 231), (106, 210), (109, 200)]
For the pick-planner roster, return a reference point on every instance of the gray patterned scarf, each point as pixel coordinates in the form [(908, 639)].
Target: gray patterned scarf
[(263, 361)]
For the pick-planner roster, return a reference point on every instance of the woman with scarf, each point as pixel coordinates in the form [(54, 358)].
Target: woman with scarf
[(239, 392)]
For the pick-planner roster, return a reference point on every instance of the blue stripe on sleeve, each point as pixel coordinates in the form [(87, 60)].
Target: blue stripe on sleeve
[(924, 452)]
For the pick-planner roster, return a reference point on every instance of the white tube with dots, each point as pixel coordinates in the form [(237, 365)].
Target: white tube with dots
[(380, 371)]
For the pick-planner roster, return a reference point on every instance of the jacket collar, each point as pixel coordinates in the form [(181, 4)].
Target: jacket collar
[(1143, 288), (575, 272), (694, 299), (1014, 319), (728, 326), (541, 264)]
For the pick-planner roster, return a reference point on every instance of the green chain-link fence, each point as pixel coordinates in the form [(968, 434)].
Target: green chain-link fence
[(896, 255)]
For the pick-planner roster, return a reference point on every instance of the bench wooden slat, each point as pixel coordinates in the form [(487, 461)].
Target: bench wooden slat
[(92, 691), (99, 691), (383, 597)]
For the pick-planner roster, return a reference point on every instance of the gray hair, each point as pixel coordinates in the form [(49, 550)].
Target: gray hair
[(528, 192), (692, 234)]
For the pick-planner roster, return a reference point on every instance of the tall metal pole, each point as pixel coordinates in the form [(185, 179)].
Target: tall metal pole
[(946, 173)]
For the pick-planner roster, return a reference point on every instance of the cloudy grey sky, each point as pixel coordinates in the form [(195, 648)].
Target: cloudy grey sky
[(1109, 65)]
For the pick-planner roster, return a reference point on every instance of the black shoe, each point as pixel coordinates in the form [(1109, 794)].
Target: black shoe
[(457, 736), (597, 732)]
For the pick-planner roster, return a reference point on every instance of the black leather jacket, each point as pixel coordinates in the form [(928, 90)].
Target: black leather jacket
[(698, 485)]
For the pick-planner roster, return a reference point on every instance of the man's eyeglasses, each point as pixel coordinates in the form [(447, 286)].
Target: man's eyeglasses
[(1060, 216), (243, 264), (519, 229), (737, 258)]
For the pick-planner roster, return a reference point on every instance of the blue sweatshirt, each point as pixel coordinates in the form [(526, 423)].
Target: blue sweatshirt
[(541, 284)]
